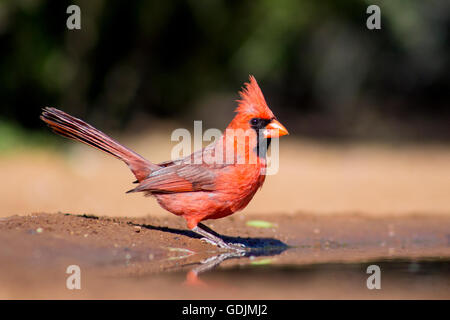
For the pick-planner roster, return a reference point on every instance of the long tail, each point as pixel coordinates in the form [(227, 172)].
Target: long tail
[(76, 129)]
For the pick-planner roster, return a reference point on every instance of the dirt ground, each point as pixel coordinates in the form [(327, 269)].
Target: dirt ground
[(292, 257), (330, 212)]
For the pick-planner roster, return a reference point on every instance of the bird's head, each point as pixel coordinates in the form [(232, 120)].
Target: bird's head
[(253, 113)]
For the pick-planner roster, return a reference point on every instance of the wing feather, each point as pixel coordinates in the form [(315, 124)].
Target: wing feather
[(178, 178), (182, 175)]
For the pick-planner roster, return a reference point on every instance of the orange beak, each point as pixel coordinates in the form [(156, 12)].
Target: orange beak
[(275, 129)]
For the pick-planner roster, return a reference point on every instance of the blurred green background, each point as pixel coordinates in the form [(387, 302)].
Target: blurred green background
[(324, 74)]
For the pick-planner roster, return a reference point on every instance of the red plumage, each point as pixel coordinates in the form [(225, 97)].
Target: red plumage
[(196, 187)]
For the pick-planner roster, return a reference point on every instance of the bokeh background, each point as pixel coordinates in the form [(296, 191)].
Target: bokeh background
[(368, 110)]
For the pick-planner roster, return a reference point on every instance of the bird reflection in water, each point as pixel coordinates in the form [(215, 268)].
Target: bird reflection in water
[(252, 247)]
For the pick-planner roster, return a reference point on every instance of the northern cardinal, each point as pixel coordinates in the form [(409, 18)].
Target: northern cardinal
[(192, 187)]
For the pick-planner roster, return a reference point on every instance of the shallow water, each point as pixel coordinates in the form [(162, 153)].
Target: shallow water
[(399, 278), (305, 273)]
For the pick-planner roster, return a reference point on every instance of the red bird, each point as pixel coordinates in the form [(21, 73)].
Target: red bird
[(206, 184)]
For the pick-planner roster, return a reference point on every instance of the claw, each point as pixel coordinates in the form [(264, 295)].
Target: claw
[(239, 247), (214, 240), (233, 246)]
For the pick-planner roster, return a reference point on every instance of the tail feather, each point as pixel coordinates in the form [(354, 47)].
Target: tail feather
[(76, 129)]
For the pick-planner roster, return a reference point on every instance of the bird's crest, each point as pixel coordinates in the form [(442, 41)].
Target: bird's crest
[(252, 101)]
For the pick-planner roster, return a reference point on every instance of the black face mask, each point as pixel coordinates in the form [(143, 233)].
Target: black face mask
[(262, 144)]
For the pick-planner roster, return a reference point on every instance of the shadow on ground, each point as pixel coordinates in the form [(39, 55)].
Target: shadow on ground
[(254, 245)]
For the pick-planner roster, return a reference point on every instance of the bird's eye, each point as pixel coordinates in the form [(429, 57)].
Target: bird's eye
[(254, 121)]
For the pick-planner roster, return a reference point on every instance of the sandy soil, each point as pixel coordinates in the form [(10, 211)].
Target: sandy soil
[(298, 256)]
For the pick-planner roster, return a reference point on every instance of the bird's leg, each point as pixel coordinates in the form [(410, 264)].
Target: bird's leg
[(212, 239), (209, 237)]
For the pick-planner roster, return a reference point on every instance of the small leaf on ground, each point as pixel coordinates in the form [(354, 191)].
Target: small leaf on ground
[(260, 224)]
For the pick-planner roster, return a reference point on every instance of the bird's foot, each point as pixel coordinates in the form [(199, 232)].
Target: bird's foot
[(235, 246), (222, 244)]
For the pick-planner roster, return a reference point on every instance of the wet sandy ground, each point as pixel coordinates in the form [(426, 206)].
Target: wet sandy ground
[(290, 256)]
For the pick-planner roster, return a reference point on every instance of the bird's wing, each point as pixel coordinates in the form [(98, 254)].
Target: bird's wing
[(182, 175), (179, 178)]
